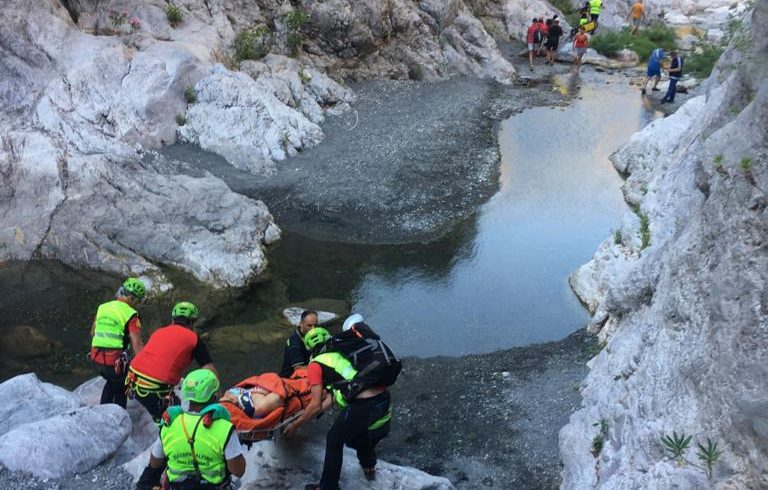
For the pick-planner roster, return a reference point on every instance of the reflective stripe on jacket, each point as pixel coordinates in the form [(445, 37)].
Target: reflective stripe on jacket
[(343, 368), (110, 324)]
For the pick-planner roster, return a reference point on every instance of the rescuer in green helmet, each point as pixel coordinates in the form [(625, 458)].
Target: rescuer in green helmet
[(115, 326), (198, 447)]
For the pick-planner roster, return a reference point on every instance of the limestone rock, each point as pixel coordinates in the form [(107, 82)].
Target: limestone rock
[(294, 463), (73, 441), (704, 13), (684, 319), (27, 399), (293, 315)]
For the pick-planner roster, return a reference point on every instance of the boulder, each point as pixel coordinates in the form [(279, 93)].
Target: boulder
[(26, 399), (246, 338), (627, 56), (294, 463), (143, 429), (293, 315), (74, 441), (25, 342)]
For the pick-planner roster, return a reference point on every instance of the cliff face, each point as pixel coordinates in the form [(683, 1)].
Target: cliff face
[(680, 294), (84, 97)]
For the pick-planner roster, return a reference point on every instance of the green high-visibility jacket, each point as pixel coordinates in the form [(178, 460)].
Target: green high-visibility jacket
[(109, 326), (209, 447), (595, 6), (347, 371)]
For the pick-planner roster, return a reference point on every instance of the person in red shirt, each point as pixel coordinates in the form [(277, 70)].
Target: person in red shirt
[(580, 45), (544, 28), (155, 371), (534, 31), (363, 421), (115, 327)]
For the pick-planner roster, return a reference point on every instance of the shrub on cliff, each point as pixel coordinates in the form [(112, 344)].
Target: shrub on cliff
[(253, 43), (656, 36), (174, 14)]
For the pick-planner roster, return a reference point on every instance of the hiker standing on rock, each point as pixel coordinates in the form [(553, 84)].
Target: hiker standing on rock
[(366, 413), (168, 353), (534, 36), (198, 445), (553, 40), (296, 353), (580, 45), (654, 70), (675, 72), (636, 15), (115, 326)]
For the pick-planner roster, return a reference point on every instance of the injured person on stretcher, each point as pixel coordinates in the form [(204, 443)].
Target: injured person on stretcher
[(262, 405)]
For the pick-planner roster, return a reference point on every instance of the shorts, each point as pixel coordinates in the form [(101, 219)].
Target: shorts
[(654, 71), (636, 22), (553, 45), (580, 52), (531, 47)]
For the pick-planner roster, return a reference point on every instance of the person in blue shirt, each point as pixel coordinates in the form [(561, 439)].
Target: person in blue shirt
[(654, 70), (675, 73)]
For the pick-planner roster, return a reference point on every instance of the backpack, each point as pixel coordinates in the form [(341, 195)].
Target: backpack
[(374, 360), (538, 36)]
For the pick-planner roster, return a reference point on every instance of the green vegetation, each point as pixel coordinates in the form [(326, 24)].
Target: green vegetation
[(709, 455), (617, 238), (719, 163), (645, 232), (253, 43), (117, 18), (675, 446), (656, 36), (181, 120), (295, 20), (416, 72), (174, 14), (599, 440), (190, 95), (746, 164), (701, 62)]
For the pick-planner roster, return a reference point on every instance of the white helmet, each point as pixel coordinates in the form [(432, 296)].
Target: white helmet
[(352, 320)]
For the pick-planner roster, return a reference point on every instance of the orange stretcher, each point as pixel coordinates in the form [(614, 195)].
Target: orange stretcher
[(295, 393)]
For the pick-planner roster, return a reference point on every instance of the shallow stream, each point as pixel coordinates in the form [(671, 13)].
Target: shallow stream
[(498, 280)]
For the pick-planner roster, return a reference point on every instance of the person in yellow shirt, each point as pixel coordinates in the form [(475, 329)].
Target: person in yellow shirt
[(636, 16)]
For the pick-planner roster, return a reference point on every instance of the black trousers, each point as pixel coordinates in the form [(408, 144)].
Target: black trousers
[(155, 403), (114, 389), (351, 428)]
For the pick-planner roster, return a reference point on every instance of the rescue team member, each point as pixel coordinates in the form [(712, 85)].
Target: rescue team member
[(595, 6), (296, 353), (115, 326), (168, 353), (199, 445), (361, 424)]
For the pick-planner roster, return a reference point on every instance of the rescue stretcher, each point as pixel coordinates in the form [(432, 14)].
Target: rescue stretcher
[(295, 394)]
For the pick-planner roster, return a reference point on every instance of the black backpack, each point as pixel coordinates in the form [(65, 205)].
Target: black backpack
[(375, 362), (538, 36)]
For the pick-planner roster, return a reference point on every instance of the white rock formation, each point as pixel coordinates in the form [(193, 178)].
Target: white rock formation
[(26, 399), (293, 315), (294, 463), (74, 441), (684, 320), (706, 14)]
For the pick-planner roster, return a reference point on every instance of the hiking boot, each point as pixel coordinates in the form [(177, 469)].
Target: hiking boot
[(370, 473), (642, 90), (655, 89)]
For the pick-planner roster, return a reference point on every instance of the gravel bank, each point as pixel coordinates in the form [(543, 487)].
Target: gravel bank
[(408, 161), (491, 420)]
